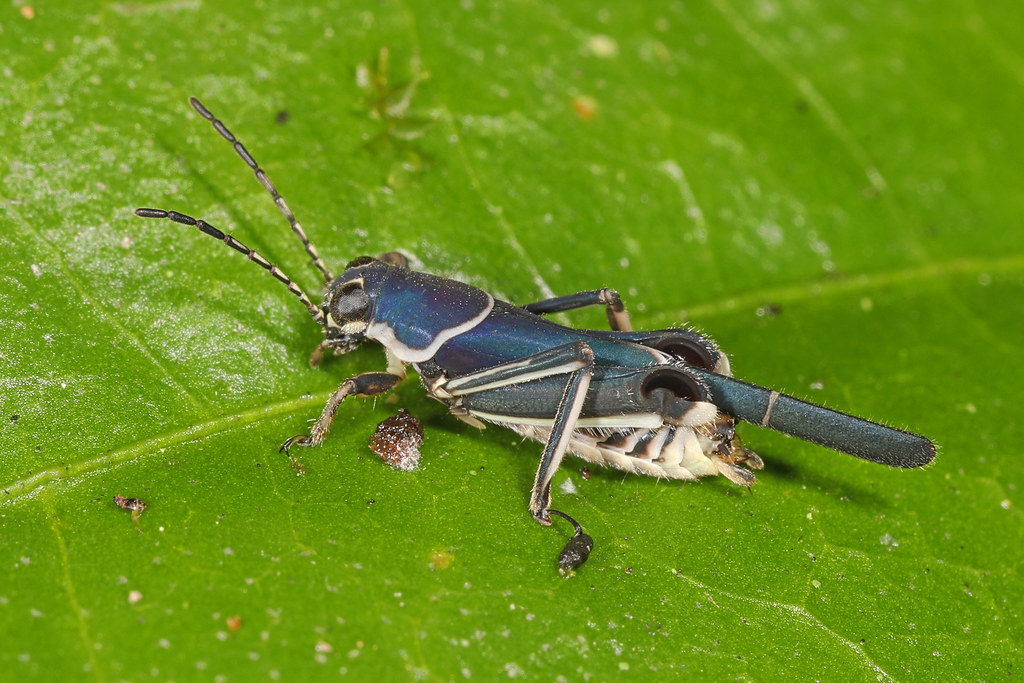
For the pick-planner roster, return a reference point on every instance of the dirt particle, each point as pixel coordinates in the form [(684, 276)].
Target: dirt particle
[(397, 441), (584, 106), (133, 504), (441, 559)]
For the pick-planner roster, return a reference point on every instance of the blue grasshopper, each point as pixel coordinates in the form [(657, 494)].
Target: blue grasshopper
[(661, 403)]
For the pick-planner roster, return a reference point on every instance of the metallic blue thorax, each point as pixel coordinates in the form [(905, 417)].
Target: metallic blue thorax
[(510, 333), (463, 329)]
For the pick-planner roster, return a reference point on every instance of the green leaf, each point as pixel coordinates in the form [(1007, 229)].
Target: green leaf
[(831, 192)]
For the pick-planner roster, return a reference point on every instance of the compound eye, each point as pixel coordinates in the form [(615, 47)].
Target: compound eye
[(350, 303)]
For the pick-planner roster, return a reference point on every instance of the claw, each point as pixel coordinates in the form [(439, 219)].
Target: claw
[(318, 354), (576, 551), (298, 439)]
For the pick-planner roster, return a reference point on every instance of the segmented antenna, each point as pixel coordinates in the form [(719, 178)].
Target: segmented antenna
[(267, 185), (203, 226)]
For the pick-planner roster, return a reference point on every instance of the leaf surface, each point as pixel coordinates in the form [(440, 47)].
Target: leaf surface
[(829, 192)]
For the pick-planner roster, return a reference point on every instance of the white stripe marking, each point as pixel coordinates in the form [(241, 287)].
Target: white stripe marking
[(383, 333), (772, 398)]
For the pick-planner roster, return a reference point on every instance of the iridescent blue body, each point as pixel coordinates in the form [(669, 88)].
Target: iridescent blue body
[(659, 402), (410, 311), (417, 309)]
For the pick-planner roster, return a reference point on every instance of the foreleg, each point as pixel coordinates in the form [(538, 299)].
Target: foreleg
[(366, 384)]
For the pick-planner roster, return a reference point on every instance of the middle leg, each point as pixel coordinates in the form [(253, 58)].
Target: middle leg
[(618, 318), (575, 360)]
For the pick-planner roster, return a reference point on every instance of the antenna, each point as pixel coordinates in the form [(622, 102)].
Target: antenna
[(267, 185), (252, 255)]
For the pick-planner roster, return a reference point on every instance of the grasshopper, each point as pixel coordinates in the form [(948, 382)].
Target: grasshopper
[(662, 402)]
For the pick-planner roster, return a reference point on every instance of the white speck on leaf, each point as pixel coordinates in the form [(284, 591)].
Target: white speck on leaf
[(603, 46)]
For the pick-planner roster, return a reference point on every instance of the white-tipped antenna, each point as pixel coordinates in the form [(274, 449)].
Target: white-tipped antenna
[(203, 226), (267, 185)]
